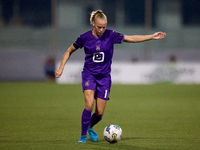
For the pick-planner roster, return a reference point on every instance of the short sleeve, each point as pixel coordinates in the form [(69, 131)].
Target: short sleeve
[(79, 42), (117, 37)]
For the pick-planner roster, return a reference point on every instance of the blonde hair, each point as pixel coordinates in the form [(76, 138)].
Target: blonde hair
[(97, 14)]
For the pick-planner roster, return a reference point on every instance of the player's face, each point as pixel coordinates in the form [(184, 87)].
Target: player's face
[(99, 26)]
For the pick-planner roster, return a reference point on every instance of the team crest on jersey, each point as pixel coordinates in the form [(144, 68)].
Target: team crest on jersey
[(98, 48), (87, 83)]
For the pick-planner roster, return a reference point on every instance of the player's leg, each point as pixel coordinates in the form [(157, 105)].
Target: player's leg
[(89, 88), (89, 99), (100, 106), (86, 115), (96, 117), (99, 110), (101, 94)]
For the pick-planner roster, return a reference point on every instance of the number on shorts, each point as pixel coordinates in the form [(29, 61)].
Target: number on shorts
[(98, 57), (106, 92)]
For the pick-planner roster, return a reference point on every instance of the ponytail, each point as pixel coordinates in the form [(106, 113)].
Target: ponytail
[(97, 14)]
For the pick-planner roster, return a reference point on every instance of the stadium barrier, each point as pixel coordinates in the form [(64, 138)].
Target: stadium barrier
[(139, 73)]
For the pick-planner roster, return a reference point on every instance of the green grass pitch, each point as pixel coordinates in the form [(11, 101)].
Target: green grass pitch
[(46, 116)]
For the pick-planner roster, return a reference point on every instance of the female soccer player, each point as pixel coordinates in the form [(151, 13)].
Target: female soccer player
[(96, 80)]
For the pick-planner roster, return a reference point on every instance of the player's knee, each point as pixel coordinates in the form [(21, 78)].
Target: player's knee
[(89, 99), (89, 105), (99, 113)]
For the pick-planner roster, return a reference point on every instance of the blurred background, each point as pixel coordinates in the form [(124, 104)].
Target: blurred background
[(34, 34)]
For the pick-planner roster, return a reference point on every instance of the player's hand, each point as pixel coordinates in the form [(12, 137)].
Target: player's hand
[(58, 73), (159, 35)]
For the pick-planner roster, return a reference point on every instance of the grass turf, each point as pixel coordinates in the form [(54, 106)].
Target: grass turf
[(47, 116)]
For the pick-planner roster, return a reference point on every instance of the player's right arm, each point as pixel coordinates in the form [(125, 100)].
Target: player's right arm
[(65, 58)]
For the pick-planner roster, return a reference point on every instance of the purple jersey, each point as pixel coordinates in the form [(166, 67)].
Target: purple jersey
[(98, 51)]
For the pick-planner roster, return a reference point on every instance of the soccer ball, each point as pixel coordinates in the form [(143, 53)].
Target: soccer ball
[(112, 133)]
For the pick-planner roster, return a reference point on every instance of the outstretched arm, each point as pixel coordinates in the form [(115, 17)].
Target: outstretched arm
[(142, 38), (65, 58)]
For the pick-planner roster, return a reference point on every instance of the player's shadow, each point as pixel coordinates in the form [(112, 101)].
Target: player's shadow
[(120, 146)]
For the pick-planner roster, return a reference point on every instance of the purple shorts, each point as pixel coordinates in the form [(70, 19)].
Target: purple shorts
[(100, 84)]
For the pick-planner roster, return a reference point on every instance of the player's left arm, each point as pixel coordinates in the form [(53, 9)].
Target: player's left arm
[(142, 38)]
